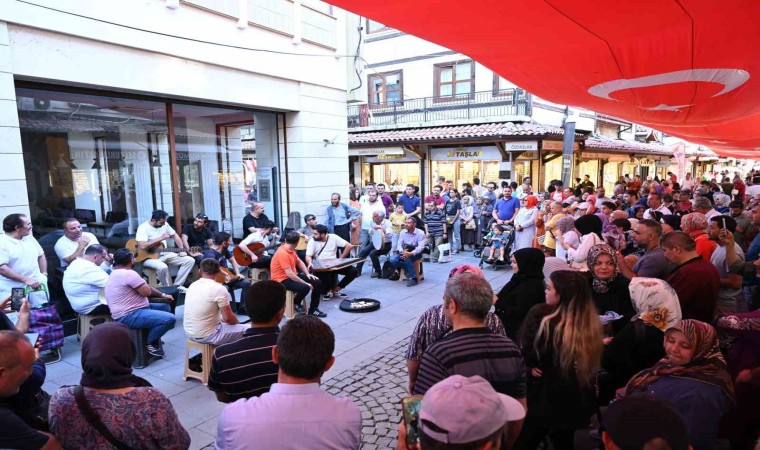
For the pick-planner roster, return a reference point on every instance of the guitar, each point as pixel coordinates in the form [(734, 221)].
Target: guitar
[(225, 275), (155, 251), (257, 248)]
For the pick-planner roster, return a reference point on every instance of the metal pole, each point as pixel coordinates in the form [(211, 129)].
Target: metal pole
[(567, 151)]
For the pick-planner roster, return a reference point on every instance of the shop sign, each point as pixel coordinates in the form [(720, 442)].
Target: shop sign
[(557, 146), (394, 158), (528, 156), (489, 153), (592, 155), (516, 146), (375, 151)]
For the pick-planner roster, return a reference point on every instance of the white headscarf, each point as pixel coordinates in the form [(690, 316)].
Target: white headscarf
[(655, 302)]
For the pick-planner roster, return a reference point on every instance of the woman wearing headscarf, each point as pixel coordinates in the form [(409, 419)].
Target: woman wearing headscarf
[(135, 413), (562, 346), (590, 229), (695, 225), (469, 223), (525, 223), (638, 344), (568, 234), (609, 288), (693, 377), (523, 291)]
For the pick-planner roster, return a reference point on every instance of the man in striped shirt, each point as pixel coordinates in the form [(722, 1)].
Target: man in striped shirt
[(244, 368), (472, 349)]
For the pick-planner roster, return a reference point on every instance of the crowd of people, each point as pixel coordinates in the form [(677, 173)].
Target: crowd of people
[(639, 309)]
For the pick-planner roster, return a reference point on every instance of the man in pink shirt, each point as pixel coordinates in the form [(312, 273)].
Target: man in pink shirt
[(127, 296)]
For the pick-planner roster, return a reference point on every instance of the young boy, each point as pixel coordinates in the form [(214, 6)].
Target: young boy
[(397, 218), (498, 242)]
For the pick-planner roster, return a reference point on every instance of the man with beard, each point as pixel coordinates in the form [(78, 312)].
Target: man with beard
[(369, 207), (340, 216), (154, 232)]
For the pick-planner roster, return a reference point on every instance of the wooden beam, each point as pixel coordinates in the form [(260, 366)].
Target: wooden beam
[(416, 150), (502, 149), (552, 157)]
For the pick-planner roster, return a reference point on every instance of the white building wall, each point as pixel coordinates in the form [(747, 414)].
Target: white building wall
[(38, 44)]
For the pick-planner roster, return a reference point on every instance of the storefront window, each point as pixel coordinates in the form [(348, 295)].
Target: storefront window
[(610, 177), (590, 168), (107, 161), (460, 172), (520, 170), (553, 171)]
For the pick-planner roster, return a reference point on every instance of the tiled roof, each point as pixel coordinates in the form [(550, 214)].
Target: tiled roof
[(486, 130), (605, 143)]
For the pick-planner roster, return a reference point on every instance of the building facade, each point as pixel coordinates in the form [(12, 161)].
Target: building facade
[(109, 110)]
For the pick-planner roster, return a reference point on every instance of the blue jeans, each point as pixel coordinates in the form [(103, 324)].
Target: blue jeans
[(156, 316), (399, 263)]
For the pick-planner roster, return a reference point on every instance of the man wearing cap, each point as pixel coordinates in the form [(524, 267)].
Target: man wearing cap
[(465, 412), (643, 422), (471, 348)]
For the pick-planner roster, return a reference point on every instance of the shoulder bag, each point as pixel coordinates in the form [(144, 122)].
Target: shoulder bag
[(93, 419)]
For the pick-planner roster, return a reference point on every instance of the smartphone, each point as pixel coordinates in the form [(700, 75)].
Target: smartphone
[(411, 408), (724, 230), (33, 338), (17, 294)]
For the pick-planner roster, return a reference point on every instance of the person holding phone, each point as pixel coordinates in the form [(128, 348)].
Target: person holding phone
[(22, 260), (728, 259)]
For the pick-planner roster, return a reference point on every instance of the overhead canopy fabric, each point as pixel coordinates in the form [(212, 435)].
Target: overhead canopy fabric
[(685, 67)]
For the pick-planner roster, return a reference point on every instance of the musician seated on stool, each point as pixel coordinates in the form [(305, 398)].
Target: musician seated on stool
[(289, 270), (208, 316), (325, 246), (127, 297), (74, 242), (308, 230), (411, 242), (153, 235), (265, 236), (220, 252), (84, 280), (383, 226), (197, 235)]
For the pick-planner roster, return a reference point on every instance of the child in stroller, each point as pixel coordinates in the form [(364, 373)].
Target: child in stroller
[(497, 245)]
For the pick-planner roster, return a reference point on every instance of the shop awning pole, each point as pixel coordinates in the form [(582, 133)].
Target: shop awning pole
[(567, 151)]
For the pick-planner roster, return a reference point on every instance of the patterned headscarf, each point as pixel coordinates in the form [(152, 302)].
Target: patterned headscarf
[(655, 302), (707, 365), (598, 285), (694, 224)]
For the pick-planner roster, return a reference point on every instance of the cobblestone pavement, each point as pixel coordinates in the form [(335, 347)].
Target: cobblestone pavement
[(377, 386)]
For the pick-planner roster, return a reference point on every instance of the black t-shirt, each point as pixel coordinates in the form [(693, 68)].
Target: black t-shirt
[(252, 222), (16, 434), (452, 207), (220, 257), (196, 238)]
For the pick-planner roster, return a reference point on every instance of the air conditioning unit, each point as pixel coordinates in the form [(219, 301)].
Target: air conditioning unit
[(41, 104)]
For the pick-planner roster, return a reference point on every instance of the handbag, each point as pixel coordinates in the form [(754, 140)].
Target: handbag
[(470, 224), (46, 321), (93, 419), (541, 239), (444, 253)]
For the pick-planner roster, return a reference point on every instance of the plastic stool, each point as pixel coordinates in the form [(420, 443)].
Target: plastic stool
[(418, 267), (89, 321), (290, 310), (207, 352), (258, 274)]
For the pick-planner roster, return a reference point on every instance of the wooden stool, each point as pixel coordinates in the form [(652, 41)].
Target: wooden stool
[(207, 352), (258, 274), (418, 267), (290, 309), (89, 321)]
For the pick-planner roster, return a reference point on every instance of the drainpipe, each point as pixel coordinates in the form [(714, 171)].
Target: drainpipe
[(567, 147)]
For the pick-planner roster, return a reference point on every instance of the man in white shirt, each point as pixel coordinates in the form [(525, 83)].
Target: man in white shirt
[(150, 235), (84, 281), (601, 197), (295, 409), (704, 206), (73, 242), (265, 236), (752, 190), (208, 316), (368, 208), (688, 182), (379, 225), (325, 246), (22, 260), (655, 204)]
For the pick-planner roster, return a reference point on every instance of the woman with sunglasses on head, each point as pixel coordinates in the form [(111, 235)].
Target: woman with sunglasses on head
[(433, 326), (562, 346)]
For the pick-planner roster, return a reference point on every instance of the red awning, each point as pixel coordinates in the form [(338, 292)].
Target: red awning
[(684, 67)]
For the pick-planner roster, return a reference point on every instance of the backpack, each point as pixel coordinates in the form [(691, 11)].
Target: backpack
[(388, 271)]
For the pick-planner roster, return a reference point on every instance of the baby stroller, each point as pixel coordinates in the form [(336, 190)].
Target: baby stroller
[(509, 233)]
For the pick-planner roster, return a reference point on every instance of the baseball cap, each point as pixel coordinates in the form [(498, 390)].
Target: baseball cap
[(634, 420), (460, 410)]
